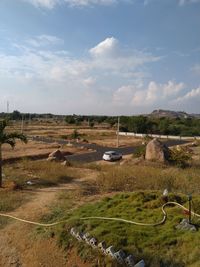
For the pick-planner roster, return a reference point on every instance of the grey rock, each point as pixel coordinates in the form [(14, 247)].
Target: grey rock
[(185, 225), (156, 151)]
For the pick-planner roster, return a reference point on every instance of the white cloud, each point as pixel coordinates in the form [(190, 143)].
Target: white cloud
[(90, 2), (123, 95), (89, 81), (193, 94), (49, 4), (107, 57), (61, 78), (180, 2), (44, 40), (172, 89), (106, 48), (184, 2), (154, 94), (110, 56)]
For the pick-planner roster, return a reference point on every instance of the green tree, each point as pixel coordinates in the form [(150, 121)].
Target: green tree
[(70, 119), (75, 134), (16, 115), (91, 124), (8, 138), (164, 124), (138, 124)]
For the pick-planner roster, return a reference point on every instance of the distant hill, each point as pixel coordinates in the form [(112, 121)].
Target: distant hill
[(159, 113)]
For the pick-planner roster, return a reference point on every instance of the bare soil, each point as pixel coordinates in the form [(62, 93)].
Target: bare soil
[(100, 136), (18, 246), (37, 149)]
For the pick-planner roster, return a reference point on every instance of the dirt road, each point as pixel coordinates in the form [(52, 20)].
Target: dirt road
[(18, 245)]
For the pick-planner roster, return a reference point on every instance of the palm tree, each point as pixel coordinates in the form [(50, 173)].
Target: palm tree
[(8, 138)]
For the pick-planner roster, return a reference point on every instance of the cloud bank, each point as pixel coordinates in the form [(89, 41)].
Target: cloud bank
[(110, 79), (50, 4)]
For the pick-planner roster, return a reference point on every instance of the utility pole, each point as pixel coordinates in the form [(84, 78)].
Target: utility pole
[(118, 121), (22, 124), (29, 118), (7, 107)]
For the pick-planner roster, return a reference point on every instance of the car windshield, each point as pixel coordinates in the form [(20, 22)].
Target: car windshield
[(110, 153)]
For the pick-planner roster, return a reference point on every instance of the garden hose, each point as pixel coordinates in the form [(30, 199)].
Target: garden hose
[(106, 218)]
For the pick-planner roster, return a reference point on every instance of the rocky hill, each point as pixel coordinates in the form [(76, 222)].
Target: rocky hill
[(159, 113)]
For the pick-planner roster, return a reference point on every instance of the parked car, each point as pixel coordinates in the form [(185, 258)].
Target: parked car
[(112, 155)]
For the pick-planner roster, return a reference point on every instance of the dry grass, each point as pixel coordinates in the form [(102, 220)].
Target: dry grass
[(42, 173), (9, 201), (141, 177), (105, 137)]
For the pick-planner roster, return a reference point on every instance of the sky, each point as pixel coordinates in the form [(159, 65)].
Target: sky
[(102, 57)]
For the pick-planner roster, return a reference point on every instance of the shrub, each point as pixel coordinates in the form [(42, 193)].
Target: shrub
[(140, 151), (64, 136), (75, 134), (180, 157)]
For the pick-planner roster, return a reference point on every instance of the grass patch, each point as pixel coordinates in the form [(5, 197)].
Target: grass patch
[(158, 246), (140, 151), (142, 177), (9, 201), (42, 173)]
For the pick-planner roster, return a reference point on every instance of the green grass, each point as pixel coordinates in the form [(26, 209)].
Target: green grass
[(158, 246)]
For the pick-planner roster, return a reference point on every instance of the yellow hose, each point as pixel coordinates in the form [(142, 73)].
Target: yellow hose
[(144, 224), (105, 218)]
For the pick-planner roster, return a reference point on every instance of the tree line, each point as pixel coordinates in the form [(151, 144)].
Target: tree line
[(189, 126)]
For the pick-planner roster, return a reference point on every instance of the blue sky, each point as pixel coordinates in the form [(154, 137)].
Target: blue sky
[(109, 57)]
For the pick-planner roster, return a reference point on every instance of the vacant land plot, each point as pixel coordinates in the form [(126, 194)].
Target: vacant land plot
[(105, 137), (131, 189), (37, 149)]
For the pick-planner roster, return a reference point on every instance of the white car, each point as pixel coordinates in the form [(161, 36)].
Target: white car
[(112, 155)]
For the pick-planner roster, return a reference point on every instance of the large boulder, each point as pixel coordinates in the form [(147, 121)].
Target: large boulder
[(156, 151), (56, 155)]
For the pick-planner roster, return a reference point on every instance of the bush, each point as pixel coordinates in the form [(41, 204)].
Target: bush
[(64, 136), (180, 157), (75, 134), (140, 151)]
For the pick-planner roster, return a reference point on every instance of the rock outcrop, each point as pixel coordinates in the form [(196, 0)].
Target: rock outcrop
[(156, 151), (56, 155)]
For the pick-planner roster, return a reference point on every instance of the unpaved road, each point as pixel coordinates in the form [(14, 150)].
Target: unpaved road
[(18, 245)]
